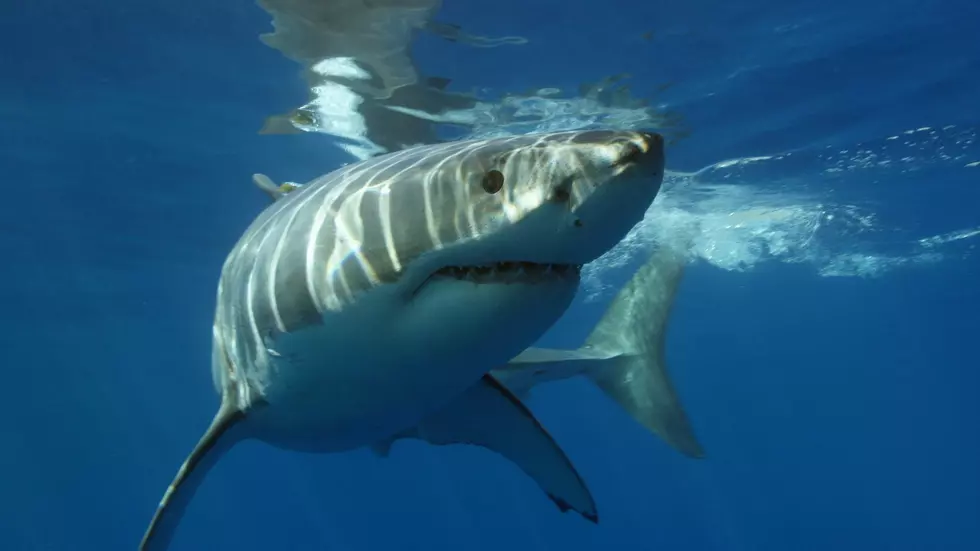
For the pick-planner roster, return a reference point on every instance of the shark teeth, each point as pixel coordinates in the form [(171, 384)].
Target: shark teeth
[(507, 272)]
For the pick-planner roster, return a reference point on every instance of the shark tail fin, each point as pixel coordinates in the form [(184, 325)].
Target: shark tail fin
[(634, 329), (210, 448)]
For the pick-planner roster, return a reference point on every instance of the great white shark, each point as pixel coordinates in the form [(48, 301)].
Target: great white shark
[(624, 355), (379, 297)]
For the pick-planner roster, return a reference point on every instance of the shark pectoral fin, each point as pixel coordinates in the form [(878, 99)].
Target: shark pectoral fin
[(490, 416), (215, 442)]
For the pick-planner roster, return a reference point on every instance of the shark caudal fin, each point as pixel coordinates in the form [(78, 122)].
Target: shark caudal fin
[(209, 449), (633, 330)]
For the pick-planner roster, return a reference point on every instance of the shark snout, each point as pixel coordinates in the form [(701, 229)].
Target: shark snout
[(653, 144), (604, 214), (644, 149)]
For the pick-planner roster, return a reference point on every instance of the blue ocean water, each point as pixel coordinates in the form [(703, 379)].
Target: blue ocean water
[(823, 341)]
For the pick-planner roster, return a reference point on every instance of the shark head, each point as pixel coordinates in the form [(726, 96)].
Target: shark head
[(514, 209)]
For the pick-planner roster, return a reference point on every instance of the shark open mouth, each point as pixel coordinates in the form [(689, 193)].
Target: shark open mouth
[(511, 272)]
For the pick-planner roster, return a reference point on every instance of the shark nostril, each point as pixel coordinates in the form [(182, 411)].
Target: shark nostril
[(561, 195), (653, 140), (631, 153)]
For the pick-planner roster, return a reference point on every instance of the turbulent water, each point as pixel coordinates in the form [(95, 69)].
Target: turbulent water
[(787, 207)]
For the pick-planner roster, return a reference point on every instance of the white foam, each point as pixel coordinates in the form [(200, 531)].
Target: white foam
[(726, 216)]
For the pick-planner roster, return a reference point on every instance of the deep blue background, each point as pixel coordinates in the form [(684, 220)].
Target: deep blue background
[(838, 413)]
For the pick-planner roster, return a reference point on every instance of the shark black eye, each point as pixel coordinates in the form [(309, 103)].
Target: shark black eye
[(493, 181)]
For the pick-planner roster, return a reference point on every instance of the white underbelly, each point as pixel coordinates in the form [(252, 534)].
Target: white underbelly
[(373, 370)]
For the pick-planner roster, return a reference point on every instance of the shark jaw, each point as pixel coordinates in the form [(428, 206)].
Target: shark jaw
[(507, 273)]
